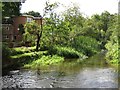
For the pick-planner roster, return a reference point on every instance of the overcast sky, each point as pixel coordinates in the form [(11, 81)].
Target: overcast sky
[(87, 7)]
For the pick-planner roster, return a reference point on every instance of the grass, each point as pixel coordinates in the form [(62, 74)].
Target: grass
[(67, 52), (22, 59), (22, 50), (18, 60), (30, 54), (44, 61)]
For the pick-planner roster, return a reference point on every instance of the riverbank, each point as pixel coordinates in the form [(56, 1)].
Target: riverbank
[(27, 57)]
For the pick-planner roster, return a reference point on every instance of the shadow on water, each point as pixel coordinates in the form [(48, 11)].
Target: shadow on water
[(94, 72)]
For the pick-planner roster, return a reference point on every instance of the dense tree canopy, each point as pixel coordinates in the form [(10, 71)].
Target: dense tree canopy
[(35, 14), (11, 9)]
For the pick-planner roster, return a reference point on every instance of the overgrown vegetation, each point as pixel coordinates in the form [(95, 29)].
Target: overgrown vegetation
[(87, 45), (69, 35), (6, 51), (44, 61), (22, 50), (66, 52), (112, 47)]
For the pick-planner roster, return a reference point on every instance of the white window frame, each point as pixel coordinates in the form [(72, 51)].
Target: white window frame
[(29, 19)]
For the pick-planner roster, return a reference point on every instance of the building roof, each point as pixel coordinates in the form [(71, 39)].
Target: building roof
[(27, 16), (37, 17)]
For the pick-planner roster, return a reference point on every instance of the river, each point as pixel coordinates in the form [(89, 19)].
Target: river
[(93, 73)]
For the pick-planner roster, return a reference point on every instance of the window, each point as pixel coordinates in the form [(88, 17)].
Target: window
[(29, 19), (7, 28), (15, 37)]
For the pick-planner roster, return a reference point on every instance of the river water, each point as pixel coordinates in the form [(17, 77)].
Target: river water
[(93, 73)]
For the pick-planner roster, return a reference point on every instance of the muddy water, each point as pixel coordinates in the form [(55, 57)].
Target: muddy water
[(93, 73)]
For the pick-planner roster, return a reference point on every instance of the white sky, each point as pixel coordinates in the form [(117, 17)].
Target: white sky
[(87, 7)]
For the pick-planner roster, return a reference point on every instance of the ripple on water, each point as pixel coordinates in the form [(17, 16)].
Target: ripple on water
[(86, 77)]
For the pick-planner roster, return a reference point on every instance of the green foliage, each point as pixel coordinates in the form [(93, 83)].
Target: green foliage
[(1, 6), (25, 53), (21, 28), (34, 29), (99, 27), (112, 47), (88, 46), (49, 8), (66, 52), (26, 56), (6, 51), (22, 50), (45, 60), (11, 8), (50, 27), (17, 57), (35, 14), (68, 35)]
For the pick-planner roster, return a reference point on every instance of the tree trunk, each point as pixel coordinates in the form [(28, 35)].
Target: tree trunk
[(38, 40)]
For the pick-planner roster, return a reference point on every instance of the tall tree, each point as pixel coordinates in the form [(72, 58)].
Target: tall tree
[(11, 9), (33, 28), (75, 21), (51, 20)]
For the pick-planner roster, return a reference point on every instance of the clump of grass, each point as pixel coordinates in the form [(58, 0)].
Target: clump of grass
[(22, 50), (28, 56), (66, 52), (45, 61), (22, 59)]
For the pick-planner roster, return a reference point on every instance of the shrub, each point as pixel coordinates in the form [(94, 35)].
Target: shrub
[(45, 61), (66, 52), (112, 46), (87, 45), (6, 51), (21, 59)]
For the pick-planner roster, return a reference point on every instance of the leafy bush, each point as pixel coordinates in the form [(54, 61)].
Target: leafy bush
[(112, 47), (44, 61), (22, 59), (6, 51), (87, 45), (66, 52)]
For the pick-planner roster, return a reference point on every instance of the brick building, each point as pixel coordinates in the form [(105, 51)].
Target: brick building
[(7, 32), (11, 31)]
